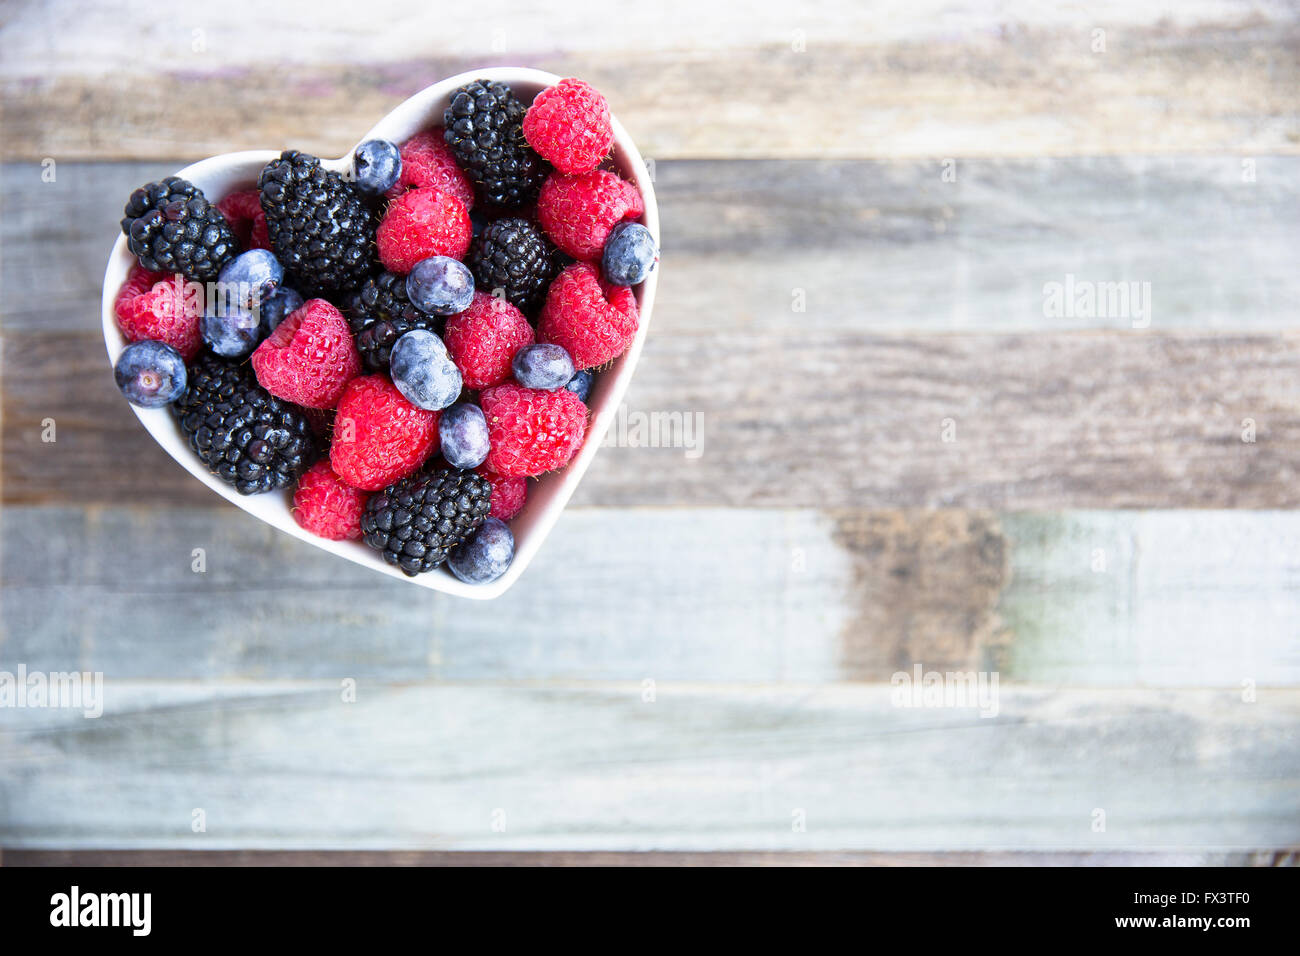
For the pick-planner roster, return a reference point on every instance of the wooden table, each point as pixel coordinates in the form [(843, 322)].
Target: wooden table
[(907, 456)]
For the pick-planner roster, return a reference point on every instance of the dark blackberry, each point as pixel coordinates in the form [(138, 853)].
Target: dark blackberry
[(246, 436), (417, 521), (380, 313), (321, 228), (171, 227), (512, 254), (485, 129)]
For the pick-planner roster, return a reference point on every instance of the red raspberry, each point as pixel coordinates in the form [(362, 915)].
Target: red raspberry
[(309, 357), (593, 325), (428, 161), (326, 506), (379, 436), (578, 212), (484, 338), (422, 223), (153, 305), (532, 431), (569, 125), (243, 210), (508, 494)]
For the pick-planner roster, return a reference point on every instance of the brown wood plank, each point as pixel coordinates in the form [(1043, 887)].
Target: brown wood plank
[(120, 858), (821, 419), (827, 80)]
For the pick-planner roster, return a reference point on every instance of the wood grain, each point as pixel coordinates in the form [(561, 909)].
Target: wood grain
[(597, 767), (900, 79), (715, 596), (865, 245), (814, 419)]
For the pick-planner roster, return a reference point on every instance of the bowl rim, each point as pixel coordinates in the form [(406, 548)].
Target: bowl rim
[(548, 496)]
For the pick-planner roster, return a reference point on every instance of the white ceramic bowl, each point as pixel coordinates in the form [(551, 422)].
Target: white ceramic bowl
[(548, 495)]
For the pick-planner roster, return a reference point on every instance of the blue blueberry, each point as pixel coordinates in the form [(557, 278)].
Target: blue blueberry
[(542, 366), (423, 371), (580, 384), (284, 302), (463, 431), (485, 555), (378, 164), (150, 374), (630, 254), (250, 279), (230, 330), (441, 285)]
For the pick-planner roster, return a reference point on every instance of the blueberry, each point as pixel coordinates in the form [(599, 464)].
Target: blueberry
[(485, 555), (423, 371), (250, 279), (441, 285), (463, 432), (542, 366), (378, 164), (630, 254), (229, 330), (580, 384), (284, 302), (150, 374)]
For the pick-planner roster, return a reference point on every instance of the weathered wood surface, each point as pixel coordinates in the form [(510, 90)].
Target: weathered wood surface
[(814, 419), (1162, 599), (434, 858), (904, 78), (598, 767), (1148, 660), (871, 245)]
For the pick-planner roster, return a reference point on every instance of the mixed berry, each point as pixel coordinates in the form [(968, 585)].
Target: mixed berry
[(406, 346)]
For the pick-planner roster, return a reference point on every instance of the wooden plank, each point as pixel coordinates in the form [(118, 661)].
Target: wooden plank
[(815, 419), (596, 767), (871, 245), (899, 79), (1181, 599), (119, 858)]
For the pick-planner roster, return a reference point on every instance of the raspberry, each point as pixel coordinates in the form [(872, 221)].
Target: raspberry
[(484, 338), (532, 431), (309, 357), (428, 161), (508, 494), (243, 211), (569, 125), (152, 305), (422, 223), (326, 506), (592, 325), (578, 212), (379, 436)]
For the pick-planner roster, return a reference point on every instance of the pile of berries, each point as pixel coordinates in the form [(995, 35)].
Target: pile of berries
[(407, 346)]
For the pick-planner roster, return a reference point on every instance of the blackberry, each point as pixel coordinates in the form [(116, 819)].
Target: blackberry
[(485, 129), (416, 522), (171, 227), (321, 228), (380, 313), (512, 254), (246, 437)]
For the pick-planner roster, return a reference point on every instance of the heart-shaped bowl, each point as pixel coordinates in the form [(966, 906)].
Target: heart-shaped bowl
[(547, 495)]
